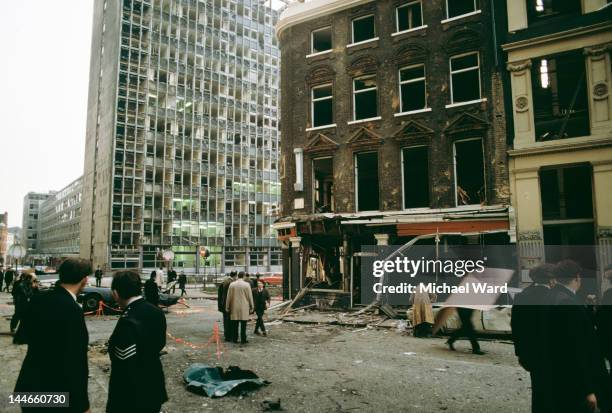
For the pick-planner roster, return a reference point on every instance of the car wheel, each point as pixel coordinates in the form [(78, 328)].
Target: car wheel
[(91, 302)]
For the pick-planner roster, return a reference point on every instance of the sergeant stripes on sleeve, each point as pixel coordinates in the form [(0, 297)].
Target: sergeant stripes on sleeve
[(125, 353)]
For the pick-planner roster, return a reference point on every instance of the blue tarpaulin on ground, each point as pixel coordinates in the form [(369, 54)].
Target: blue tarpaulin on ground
[(215, 382)]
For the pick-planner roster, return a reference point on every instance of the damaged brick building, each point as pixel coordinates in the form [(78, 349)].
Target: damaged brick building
[(393, 125)]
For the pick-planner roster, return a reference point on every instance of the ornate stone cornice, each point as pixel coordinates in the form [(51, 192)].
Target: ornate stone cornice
[(519, 66)]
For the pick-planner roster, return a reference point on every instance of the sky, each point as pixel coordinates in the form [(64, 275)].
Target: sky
[(44, 76)]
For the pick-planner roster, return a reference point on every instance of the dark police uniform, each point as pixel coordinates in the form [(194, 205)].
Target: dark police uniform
[(530, 330), (137, 382), (55, 331)]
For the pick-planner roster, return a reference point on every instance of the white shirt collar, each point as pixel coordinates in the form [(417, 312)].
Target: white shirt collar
[(131, 300), (71, 293)]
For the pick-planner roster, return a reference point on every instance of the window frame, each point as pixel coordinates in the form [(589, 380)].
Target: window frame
[(460, 16), (312, 105), (367, 76), (484, 168), (408, 4), (451, 73), (371, 39), (314, 179), (402, 149), (400, 83), (356, 177), (312, 52)]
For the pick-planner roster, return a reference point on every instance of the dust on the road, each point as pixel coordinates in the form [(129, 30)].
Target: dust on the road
[(314, 368)]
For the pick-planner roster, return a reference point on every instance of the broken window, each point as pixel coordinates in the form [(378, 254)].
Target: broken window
[(469, 172), (415, 164), (539, 9), (366, 174), (567, 211), (465, 77), (560, 99), (322, 105), (321, 40), (323, 184), (456, 8), (412, 88), (409, 16), (363, 29), (365, 98)]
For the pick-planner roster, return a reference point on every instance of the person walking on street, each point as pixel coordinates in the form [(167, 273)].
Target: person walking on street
[(182, 281), (1, 277), (467, 330), (22, 294), (137, 382), (261, 300), (172, 276), (99, 273), (57, 339), (239, 304), (9, 275), (151, 292), (221, 300), (530, 331), (159, 280)]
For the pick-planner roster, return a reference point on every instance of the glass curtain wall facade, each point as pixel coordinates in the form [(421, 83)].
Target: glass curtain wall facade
[(192, 162)]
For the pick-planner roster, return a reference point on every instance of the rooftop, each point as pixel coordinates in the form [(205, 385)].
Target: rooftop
[(300, 12)]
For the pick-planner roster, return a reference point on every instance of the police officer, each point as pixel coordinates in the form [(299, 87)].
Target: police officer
[(137, 382)]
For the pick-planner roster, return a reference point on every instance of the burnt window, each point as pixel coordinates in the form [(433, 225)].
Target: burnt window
[(323, 184), (363, 29), (542, 9), (469, 172), (322, 105), (365, 96), (465, 77), (366, 176), (321, 40), (560, 99), (409, 16), (412, 88), (456, 8), (566, 193), (415, 164), (567, 211)]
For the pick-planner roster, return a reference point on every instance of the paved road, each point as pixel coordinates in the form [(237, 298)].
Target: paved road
[(315, 368)]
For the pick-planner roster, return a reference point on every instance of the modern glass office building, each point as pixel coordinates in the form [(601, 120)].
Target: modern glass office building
[(182, 135)]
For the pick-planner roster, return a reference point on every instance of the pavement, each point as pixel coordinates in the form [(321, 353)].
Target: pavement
[(311, 367)]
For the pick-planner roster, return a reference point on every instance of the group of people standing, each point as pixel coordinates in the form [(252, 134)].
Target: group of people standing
[(153, 285), (238, 297), (563, 340), (56, 361)]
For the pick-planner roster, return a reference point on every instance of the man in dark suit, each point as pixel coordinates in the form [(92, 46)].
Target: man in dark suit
[(261, 300), (151, 291), (137, 382), (221, 298), (604, 323), (531, 335), (57, 338), (578, 372)]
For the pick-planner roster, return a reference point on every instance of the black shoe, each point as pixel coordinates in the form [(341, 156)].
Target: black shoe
[(478, 352), (265, 334), (450, 345)]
